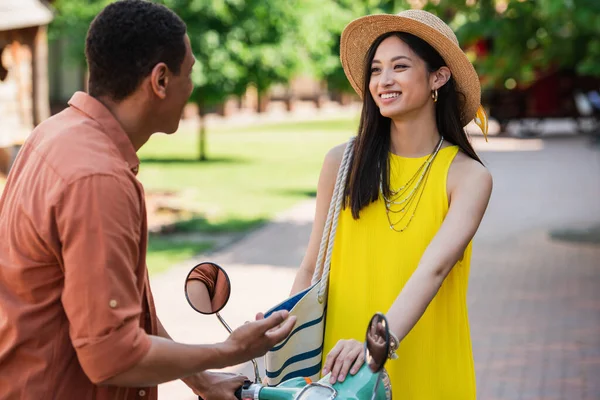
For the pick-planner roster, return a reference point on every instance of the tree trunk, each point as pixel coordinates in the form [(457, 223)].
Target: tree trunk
[(262, 98), (259, 100), (202, 133)]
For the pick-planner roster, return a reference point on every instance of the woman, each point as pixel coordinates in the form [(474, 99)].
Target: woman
[(415, 195)]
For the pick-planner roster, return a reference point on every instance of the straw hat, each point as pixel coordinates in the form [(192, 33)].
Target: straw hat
[(359, 35)]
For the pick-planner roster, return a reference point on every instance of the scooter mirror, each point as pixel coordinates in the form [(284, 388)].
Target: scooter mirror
[(207, 288), (377, 343)]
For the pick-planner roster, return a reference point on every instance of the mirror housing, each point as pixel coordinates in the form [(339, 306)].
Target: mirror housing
[(377, 343), (207, 288)]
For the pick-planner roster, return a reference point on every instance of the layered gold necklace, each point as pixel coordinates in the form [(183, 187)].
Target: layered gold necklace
[(408, 194)]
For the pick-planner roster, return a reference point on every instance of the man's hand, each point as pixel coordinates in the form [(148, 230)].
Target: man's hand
[(254, 339), (215, 385)]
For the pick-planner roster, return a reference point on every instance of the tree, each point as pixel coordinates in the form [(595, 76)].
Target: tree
[(522, 39), (238, 43), (506, 39)]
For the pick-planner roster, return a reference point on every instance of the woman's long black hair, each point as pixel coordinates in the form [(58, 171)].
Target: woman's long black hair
[(370, 164)]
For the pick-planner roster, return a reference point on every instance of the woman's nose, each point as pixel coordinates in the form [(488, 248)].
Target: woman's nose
[(386, 79)]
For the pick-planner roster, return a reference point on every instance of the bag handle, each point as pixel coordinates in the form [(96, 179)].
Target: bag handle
[(327, 240)]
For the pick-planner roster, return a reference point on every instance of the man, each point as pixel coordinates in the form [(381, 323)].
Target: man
[(77, 320)]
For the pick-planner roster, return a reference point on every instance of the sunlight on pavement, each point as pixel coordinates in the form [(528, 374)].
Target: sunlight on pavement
[(507, 144)]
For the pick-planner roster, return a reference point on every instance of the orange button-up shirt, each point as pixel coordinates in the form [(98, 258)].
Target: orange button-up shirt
[(75, 301)]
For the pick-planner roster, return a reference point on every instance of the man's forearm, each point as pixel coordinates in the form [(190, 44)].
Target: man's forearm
[(162, 332), (167, 360), (195, 381)]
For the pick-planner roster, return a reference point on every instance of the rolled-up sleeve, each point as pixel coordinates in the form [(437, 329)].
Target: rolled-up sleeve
[(208, 275), (99, 226)]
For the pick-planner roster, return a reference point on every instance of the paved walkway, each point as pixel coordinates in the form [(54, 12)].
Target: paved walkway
[(534, 301)]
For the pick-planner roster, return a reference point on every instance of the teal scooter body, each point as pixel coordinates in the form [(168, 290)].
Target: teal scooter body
[(355, 387)]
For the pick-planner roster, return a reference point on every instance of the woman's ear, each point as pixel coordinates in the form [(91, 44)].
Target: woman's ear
[(159, 80), (440, 77)]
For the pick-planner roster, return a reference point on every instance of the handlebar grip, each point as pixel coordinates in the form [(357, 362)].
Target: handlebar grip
[(238, 393)]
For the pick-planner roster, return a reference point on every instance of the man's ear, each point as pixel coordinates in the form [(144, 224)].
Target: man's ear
[(159, 80), (440, 77)]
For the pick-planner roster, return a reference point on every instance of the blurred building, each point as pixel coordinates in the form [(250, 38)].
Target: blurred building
[(24, 100), (66, 74)]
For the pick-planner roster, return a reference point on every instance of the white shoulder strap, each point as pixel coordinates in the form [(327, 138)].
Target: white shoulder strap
[(329, 231)]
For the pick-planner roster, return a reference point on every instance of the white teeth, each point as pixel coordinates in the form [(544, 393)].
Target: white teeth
[(390, 95)]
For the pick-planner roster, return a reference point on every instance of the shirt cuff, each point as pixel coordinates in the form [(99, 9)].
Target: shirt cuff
[(114, 353)]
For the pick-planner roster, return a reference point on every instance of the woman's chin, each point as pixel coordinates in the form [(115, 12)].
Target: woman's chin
[(390, 112)]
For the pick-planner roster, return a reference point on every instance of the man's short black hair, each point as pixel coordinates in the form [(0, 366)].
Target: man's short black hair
[(126, 40)]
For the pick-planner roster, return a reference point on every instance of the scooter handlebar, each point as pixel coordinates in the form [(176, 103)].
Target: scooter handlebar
[(237, 394)]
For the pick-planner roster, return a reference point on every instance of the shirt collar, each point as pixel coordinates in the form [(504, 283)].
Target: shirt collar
[(97, 111)]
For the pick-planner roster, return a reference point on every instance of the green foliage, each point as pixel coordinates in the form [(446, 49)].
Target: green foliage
[(238, 43), (164, 252), (72, 20), (262, 42), (529, 37)]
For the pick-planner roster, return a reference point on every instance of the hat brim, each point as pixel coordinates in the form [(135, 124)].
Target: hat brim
[(359, 35)]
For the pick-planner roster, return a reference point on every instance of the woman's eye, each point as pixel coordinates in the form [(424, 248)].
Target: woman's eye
[(401, 66), (374, 69)]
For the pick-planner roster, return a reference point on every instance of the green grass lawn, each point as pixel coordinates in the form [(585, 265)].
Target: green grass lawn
[(252, 174)]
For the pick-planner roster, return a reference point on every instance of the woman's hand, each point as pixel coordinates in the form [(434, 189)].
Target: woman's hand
[(345, 355)]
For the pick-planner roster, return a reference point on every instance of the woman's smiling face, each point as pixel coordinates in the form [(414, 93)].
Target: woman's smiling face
[(399, 83)]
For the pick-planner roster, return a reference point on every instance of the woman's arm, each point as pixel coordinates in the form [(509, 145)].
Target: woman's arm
[(325, 187), (470, 187)]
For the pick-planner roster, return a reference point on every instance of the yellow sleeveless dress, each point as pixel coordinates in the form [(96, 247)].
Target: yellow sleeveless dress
[(371, 264)]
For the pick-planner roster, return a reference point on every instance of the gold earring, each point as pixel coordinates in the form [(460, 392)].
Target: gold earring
[(434, 95)]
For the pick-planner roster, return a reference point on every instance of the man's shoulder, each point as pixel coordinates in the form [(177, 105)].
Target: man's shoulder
[(72, 146)]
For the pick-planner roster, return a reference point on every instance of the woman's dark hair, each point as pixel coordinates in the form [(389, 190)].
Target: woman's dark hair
[(126, 40), (370, 164)]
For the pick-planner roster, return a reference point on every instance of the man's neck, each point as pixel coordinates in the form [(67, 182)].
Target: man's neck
[(131, 119)]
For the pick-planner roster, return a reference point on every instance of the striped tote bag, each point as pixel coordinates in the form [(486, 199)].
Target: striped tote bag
[(300, 354)]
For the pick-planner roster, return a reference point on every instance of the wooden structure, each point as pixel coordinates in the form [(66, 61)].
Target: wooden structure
[(23, 72)]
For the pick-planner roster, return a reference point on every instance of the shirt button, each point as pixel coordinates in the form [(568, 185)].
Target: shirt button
[(112, 303), (142, 393)]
